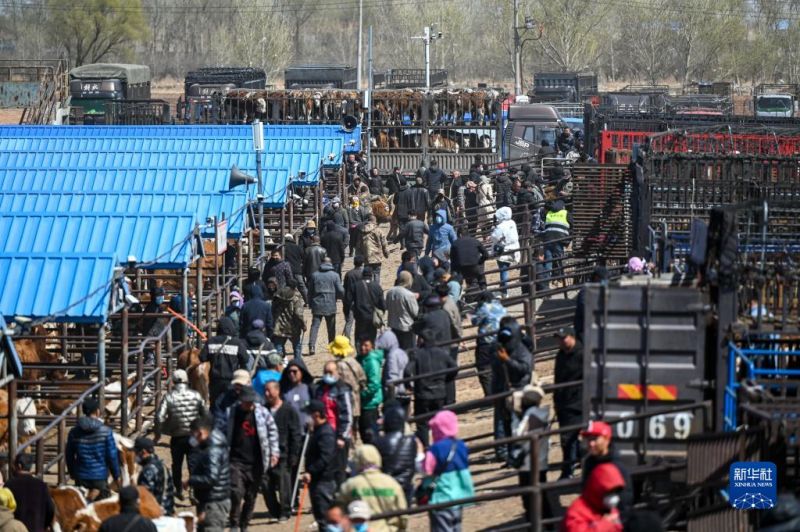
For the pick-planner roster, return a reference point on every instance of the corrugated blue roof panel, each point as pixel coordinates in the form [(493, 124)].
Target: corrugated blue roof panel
[(275, 184), (156, 240), (231, 205), (93, 180), (70, 287), (134, 160)]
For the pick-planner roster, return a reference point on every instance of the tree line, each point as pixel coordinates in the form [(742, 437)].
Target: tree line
[(645, 41)]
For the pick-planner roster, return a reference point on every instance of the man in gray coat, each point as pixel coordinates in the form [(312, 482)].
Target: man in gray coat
[(255, 448), (174, 418), (323, 291)]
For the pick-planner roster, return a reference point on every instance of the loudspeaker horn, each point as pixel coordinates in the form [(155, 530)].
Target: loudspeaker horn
[(349, 123), (239, 178)]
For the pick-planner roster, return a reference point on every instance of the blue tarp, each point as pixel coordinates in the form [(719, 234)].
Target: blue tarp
[(156, 240), (71, 287), (230, 205)]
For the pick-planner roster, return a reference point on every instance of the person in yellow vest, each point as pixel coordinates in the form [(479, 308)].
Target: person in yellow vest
[(557, 225)]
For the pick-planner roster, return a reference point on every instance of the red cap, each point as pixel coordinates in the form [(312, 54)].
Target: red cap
[(597, 428)]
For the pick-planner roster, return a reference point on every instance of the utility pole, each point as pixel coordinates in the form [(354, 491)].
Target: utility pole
[(368, 102), (429, 35), (258, 147), (358, 56), (517, 52)]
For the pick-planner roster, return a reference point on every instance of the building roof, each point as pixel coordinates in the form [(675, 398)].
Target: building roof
[(230, 205), (69, 287), (156, 240)]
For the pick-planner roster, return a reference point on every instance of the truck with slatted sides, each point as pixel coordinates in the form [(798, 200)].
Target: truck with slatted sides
[(93, 86)]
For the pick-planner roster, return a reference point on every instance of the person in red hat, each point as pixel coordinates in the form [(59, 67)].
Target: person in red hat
[(596, 509), (597, 437)]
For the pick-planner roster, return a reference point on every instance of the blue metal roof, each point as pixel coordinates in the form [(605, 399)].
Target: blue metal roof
[(231, 205), (134, 160), (71, 287), (116, 180), (157, 240), (352, 140)]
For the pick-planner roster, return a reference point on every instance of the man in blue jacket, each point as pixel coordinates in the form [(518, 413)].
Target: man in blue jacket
[(441, 235), (92, 452)]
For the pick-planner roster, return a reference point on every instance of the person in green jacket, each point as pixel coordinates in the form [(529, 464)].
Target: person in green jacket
[(371, 360)]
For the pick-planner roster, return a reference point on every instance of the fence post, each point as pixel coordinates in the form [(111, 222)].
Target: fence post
[(13, 436), (62, 445), (40, 458), (158, 384), (139, 387), (535, 504), (123, 378)]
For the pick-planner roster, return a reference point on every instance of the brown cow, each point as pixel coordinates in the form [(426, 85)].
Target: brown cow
[(382, 209), (34, 351), (199, 372), (439, 142), (74, 512)]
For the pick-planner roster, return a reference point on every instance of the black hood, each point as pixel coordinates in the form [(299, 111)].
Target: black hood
[(255, 339), (306, 379), (516, 336), (394, 419), (227, 327), (253, 291)]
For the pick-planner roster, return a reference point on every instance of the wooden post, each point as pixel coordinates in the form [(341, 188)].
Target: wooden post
[(62, 444), (216, 266), (13, 422), (123, 378)]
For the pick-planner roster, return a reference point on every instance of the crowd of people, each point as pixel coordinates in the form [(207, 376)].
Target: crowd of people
[(343, 440)]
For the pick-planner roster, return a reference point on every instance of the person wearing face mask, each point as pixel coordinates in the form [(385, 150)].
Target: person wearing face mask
[(596, 508), (210, 477), (379, 491), (234, 309), (153, 474), (175, 414), (277, 485), (321, 463), (337, 520), (152, 326), (337, 398)]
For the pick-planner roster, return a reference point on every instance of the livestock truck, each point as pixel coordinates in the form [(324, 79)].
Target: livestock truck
[(204, 89), (93, 87)]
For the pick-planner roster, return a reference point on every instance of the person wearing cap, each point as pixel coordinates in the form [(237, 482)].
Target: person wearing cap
[(373, 247), (278, 269), (359, 514), (323, 291), (254, 448), (529, 415), (210, 475), (35, 507), (219, 408), (597, 507), (321, 462), (128, 519), (357, 188), (429, 392), (226, 353), (336, 213), (174, 418), (364, 300), (91, 453), (287, 311), (293, 254), (441, 234), (448, 460), (234, 308), (412, 237), (381, 492), (277, 484), (436, 319), (153, 474), (308, 234), (402, 309), (511, 370), (568, 401), (334, 240), (597, 437), (350, 372), (258, 346)]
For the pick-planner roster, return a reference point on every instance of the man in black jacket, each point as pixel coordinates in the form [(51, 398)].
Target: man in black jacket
[(153, 474), (433, 178), (437, 320), (398, 450), (365, 296), (278, 480), (429, 392), (403, 204), (313, 258), (321, 463), (504, 195), (35, 507), (333, 240), (467, 256), (351, 278), (569, 401), (253, 279), (511, 370), (375, 182), (393, 181), (412, 237), (227, 353), (256, 307), (420, 198), (128, 519), (293, 254), (209, 475)]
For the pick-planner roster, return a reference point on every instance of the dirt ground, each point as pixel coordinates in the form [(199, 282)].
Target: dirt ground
[(485, 516)]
